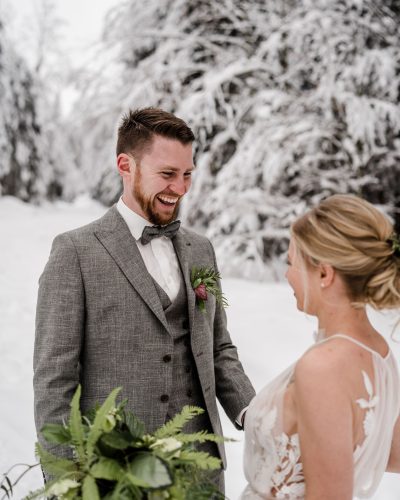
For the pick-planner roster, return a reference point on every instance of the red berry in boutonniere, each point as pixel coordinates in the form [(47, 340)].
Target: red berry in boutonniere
[(203, 280), (201, 292)]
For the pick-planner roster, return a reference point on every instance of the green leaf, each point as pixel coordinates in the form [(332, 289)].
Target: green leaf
[(90, 491), (106, 468), (100, 419), (163, 495), (150, 469), (56, 433), (176, 424), (76, 427), (118, 440), (126, 490), (135, 426), (196, 283), (135, 481), (52, 464)]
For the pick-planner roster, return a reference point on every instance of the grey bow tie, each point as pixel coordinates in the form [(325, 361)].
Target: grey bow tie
[(150, 232)]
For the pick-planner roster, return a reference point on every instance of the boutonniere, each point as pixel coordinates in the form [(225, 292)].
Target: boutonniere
[(204, 280)]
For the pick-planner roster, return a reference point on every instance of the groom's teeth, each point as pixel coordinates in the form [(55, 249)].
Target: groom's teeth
[(168, 199)]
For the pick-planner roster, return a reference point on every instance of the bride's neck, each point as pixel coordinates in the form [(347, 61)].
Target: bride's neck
[(344, 319)]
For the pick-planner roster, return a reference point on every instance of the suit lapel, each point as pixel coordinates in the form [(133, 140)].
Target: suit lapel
[(182, 248), (116, 238)]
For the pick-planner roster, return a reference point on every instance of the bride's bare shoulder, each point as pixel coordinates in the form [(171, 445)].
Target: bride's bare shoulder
[(333, 360)]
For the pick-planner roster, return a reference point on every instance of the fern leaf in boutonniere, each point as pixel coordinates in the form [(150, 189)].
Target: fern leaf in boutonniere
[(204, 280)]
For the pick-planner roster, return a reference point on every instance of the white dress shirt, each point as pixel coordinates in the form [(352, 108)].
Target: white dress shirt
[(159, 255)]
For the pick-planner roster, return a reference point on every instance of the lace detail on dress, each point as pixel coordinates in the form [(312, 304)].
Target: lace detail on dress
[(288, 480), (286, 472), (369, 405)]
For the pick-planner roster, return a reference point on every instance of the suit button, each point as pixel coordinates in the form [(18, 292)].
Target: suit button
[(187, 369), (167, 358), (189, 393), (185, 324), (164, 398)]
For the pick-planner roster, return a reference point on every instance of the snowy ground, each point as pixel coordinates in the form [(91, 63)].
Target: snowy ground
[(263, 321)]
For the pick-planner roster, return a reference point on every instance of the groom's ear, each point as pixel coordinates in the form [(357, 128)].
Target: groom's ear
[(327, 275), (124, 164)]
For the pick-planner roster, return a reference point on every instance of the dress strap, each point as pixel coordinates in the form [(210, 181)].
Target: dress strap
[(360, 344)]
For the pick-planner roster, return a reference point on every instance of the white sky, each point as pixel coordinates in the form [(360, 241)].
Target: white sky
[(79, 26), (82, 18)]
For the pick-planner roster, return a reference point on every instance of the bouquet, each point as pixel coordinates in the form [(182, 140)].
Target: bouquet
[(113, 458)]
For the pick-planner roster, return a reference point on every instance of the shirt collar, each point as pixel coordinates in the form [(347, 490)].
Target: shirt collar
[(135, 222)]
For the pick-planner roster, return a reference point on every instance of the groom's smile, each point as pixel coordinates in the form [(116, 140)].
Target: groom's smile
[(167, 200)]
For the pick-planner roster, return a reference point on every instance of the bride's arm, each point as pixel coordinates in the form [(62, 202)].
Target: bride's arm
[(394, 459), (325, 423)]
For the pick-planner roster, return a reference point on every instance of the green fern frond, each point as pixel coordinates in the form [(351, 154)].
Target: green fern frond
[(200, 459), (200, 437), (35, 495), (76, 426), (52, 464), (176, 424), (205, 274), (99, 420)]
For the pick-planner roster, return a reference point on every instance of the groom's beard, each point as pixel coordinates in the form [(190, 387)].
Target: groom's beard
[(148, 205)]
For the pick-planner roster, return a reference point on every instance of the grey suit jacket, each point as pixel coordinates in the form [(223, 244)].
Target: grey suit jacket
[(100, 323)]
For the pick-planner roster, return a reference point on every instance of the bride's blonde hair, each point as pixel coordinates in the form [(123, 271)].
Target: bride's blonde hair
[(356, 239)]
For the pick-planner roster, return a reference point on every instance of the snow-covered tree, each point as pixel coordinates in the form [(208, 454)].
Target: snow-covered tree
[(290, 101), (20, 151), (36, 157)]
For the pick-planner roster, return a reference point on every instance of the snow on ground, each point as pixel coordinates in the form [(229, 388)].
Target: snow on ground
[(264, 323)]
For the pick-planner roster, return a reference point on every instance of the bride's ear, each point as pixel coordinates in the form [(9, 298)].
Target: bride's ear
[(327, 274)]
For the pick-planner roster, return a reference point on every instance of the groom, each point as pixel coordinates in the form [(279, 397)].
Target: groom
[(116, 306)]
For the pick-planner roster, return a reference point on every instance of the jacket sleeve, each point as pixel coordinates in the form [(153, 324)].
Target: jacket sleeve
[(233, 388), (60, 317)]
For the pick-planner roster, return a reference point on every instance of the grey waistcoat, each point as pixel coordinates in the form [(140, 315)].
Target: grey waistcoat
[(185, 380)]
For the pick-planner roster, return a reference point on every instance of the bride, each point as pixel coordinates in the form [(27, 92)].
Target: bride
[(328, 427)]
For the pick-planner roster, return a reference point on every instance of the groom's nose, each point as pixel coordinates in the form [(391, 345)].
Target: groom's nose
[(180, 186)]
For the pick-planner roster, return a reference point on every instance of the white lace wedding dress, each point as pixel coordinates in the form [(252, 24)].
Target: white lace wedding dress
[(272, 459)]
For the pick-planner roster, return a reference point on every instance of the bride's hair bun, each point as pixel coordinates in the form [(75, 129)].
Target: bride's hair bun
[(356, 239)]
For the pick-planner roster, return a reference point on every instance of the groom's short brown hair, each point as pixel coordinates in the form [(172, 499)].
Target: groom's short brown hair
[(138, 128)]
